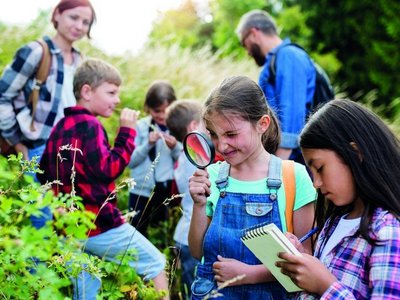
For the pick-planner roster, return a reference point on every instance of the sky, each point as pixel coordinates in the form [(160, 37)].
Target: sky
[(122, 25)]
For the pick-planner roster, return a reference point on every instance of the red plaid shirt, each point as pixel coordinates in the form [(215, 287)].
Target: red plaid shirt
[(97, 165)]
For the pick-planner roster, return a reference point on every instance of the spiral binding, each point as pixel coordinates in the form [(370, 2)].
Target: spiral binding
[(253, 232)]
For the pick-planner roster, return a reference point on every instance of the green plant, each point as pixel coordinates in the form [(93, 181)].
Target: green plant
[(37, 263), (122, 282)]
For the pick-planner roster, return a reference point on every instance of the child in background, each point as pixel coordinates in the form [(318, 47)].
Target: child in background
[(97, 166), (355, 162), (239, 193), (153, 175), (184, 116)]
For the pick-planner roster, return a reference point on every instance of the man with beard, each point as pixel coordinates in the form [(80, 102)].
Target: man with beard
[(291, 89)]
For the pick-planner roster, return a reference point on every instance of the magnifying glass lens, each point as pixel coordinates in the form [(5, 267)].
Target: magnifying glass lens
[(199, 149)]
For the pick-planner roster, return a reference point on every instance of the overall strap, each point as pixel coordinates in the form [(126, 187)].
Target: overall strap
[(274, 181), (222, 180)]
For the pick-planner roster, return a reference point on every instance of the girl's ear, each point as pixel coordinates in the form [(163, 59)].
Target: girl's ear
[(355, 148), (263, 123)]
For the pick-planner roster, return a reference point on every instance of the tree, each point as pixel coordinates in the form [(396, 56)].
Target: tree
[(219, 32), (180, 26), (365, 36)]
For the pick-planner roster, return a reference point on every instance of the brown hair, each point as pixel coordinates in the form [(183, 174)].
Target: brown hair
[(70, 4), (95, 72), (180, 114), (241, 96)]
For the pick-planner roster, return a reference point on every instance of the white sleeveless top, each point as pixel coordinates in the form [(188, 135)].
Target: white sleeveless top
[(67, 95)]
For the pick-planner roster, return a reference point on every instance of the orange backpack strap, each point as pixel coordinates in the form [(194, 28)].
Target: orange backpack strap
[(40, 78), (289, 181)]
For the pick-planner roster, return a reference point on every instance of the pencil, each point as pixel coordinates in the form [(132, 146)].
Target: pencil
[(308, 234)]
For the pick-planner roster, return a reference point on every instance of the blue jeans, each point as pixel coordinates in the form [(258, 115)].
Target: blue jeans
[(46, 215), (108, 245), (234, 213), (86, 286)]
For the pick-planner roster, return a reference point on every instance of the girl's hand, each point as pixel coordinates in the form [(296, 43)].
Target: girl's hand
[(199, 187), (228, 268), (128, 118), (153, 137), (169, 140), (307, 272), (295, 241)]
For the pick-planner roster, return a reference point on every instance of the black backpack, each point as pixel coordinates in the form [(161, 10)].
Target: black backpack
[(323, 88)]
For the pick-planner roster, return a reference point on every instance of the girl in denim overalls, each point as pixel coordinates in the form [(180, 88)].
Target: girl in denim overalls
[(243, 191)]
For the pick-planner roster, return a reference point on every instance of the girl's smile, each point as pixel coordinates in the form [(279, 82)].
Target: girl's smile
[(235, 138)]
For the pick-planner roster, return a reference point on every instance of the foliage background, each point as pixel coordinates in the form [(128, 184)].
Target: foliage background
[(355, 41)]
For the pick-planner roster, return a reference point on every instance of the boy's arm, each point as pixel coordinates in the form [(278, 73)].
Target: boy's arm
[(105, 162)]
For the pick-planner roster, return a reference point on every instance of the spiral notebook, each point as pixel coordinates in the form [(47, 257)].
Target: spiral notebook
[(266, 242)]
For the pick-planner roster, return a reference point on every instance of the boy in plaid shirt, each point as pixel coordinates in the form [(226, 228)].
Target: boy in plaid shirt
[(80, 141)]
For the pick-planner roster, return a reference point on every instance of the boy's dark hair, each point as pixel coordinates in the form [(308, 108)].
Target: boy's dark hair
[(180, 114), (241, 96), (158, 93), (364, 143), (94, 72)]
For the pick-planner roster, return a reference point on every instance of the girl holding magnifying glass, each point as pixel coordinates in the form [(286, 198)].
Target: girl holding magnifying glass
[(233, 195)]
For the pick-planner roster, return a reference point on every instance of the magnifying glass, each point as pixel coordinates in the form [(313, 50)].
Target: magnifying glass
[(199, 149)]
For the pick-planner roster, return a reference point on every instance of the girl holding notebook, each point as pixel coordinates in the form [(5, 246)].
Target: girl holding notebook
[(355, 161), (244, 191)]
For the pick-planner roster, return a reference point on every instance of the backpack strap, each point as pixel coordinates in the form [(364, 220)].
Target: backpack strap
[(272, 69), (272, 62), (323, 89), (40, 78), (222, 180), (289, 181)]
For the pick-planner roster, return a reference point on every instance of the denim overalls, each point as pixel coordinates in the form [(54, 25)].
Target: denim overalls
[(234, 213)]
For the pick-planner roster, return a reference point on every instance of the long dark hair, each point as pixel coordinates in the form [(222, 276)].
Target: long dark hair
[(241, 96), (370, 149)]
